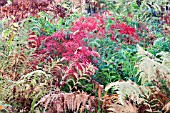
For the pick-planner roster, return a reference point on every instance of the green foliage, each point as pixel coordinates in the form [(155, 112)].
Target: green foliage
[(117, 61), (140, 10), (65, 23), (160, 44), (44, 25)]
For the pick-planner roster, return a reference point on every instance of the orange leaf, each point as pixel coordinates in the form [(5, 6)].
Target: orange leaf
[(1, 107)]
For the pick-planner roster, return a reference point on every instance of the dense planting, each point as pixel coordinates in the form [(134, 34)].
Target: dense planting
[(59, 57)]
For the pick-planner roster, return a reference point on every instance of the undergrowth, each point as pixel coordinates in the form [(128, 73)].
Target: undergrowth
[(60, 60)]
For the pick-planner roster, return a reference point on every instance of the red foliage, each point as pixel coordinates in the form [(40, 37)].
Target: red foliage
[(21, 9), (71, 46), (89, 27), (123, 29)]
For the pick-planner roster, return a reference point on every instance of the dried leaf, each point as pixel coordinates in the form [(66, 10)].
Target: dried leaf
[(167, 108)]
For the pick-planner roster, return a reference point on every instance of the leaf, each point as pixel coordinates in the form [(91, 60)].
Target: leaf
[(166, 108), (129, 89), (72, 101), (1, 107), (6, 33), (15, 25), (34, 101), (135, 6), (126, 108), (156, 69)]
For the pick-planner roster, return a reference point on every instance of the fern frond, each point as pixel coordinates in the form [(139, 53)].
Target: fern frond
[(126, 108), (129, 89), (63, 102), (167, 108), (152, 69)]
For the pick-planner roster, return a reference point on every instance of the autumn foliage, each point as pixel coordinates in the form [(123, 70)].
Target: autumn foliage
[(54, 59)]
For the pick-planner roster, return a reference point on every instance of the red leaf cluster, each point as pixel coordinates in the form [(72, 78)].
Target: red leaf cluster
[(130, 34), (23, 9), (89, 27)]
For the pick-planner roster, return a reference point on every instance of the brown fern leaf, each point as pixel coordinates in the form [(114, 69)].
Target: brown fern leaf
[(116, 107), (166, 108), (63, 102), (112, 104)]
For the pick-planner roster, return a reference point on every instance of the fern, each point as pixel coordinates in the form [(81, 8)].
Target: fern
[(31, 86), (62, 102), (152, 69), (166, 108), (129, 90), (118, 108), (72, 75)]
